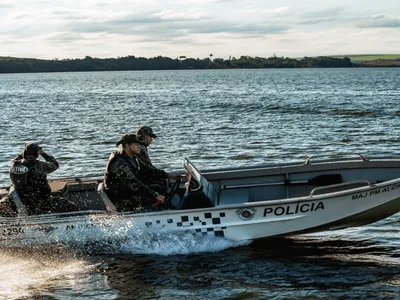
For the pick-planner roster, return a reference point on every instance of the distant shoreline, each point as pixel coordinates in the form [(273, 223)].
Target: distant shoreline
[(132, 63)]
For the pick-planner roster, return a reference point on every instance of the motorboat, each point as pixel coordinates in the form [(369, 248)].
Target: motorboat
[(242, 203)]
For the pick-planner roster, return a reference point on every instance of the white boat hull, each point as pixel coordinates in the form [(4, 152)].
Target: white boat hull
[(331, 210)]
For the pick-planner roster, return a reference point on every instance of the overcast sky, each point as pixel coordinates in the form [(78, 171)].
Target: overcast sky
[(197, 28)]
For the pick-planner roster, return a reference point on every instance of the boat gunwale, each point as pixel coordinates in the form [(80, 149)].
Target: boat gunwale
[(122, 215), (351, 163), (209, 173), (299, 169)]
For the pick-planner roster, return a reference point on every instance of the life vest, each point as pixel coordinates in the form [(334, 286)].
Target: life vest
[(144, 155), (30, 185), (21, 172), (114, 187)]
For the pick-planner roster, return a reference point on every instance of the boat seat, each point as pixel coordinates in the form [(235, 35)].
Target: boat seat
[(107, 202), (58, 187), (19, 205)]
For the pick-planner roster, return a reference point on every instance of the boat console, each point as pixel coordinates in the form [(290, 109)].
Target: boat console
[(199, 192)]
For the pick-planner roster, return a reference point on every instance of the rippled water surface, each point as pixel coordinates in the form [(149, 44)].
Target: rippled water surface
[(218, 118)]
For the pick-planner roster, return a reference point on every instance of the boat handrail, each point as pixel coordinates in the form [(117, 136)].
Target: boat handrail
[(369, 183), (238, 186), (69, 214), (308, 159), (318, 180)]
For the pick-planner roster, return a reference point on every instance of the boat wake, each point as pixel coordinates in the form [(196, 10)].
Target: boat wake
[(173, 244), (26, 272), (158, 242), (120, 236)]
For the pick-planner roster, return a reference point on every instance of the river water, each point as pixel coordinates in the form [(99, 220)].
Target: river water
[(217, 118)]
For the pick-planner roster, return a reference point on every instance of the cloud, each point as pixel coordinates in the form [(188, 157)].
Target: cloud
[(62, 37), (67, 14), (6, 5), (170, 27), (313, 21), (176, 16), (230, 27), (22, 16), (122, 24), (322, 16), (267, 13), (385, 21), (172, 24), (277, 11), (225, 1), (323, 13)]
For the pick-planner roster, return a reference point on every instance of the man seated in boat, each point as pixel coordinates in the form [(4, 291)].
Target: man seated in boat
[(123, 174), (29, 177), (146, 136)]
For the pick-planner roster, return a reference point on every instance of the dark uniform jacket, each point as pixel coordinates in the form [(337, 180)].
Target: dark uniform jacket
[(123, 182), (144, 155), (145, 158), (30, 180)]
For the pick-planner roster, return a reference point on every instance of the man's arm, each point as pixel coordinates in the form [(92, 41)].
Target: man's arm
[(48, 166), (125, 174), (19, 156), (152, 171)]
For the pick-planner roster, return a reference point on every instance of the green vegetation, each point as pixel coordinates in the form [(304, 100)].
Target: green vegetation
[(369, 57), (27, 65)]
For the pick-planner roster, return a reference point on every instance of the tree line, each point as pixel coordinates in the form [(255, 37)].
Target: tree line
[(29, 65)]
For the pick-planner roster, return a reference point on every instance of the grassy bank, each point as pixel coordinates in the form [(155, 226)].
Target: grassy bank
[(357, 58)]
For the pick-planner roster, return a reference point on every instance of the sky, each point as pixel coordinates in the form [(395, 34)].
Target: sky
[(50, 29)]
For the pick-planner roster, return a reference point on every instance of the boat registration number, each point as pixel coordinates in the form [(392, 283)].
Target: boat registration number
[(11, 231)]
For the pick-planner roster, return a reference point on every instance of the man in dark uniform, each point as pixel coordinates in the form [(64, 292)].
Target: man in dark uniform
[(146, 136), (123, 174), (29, 176)]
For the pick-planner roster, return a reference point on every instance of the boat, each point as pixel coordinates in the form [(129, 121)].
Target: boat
[(243, 203)]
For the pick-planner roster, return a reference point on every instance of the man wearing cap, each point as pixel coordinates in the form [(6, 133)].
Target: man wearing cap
[(122, 178), (146, 136), (29, 176)]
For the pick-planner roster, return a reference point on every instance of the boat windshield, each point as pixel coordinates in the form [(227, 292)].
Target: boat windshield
[(192, 170)]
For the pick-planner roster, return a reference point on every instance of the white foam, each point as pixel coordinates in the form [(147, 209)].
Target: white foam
[(163, 243), (114, 236), (24, 273), (122, 237)]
